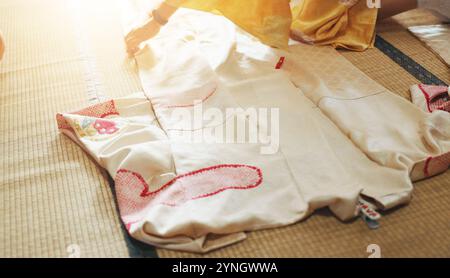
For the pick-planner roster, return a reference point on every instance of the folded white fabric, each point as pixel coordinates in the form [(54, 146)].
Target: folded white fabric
[(387, 128), (331, 135), (436, 37), (432, 99)]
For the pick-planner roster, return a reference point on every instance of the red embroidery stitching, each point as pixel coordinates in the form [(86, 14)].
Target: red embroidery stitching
[(280, 63), (192, 105), (194, 185), (425, 167), (427, 97), (100, 110)]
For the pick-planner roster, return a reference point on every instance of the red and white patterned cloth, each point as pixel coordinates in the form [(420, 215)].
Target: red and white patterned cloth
[(430, 98)]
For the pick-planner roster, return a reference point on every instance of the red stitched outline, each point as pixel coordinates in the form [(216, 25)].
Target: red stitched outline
[(192, 105), (428, 161), (425, 167), (280, 62), (146, 192), (427, 97)]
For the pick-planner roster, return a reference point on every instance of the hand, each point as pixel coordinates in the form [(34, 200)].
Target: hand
[(140, 34)]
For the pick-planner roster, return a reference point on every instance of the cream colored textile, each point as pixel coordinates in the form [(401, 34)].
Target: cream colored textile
[(180, 194), (387, 128), (436, 37)]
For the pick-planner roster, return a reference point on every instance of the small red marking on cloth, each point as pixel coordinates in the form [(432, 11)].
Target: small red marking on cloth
[(427, 97), (280, 62), (425, 168), (193, 104)]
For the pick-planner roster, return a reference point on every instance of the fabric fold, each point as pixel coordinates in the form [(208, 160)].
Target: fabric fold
[(318, 133)]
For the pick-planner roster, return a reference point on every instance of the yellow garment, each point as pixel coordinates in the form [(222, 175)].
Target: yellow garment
[(268, 20), (349, 24)]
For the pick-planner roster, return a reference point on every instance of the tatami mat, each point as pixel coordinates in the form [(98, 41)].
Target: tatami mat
[(59, 56), (63, 54)]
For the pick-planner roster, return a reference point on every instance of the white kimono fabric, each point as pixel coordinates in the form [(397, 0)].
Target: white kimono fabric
[(341, 136)]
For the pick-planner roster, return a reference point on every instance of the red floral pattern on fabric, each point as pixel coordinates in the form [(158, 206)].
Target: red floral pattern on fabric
[(105, 127), (134, 195), (100, 110), (436, 97)]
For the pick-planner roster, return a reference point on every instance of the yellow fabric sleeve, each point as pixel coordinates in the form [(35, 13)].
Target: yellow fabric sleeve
[(341, 23), (268, 20), (347, 24)]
